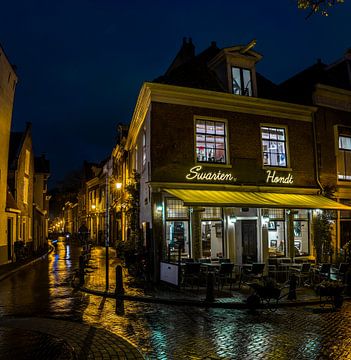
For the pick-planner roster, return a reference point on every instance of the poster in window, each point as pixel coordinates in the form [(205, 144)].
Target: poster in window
[(272, 225), (297, 228), (297, 244)]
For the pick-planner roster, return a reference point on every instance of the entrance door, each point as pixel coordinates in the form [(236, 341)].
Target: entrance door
[(9, 238), (345, 232), (249, 241)]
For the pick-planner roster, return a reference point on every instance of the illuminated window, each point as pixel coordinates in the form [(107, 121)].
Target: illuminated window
[(27, 162), (25, 190), (144, 148), (274, 146), (344, 158), (210, 141), (242, 84), (176, 210)]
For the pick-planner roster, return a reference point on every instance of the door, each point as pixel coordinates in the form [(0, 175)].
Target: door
[(249, 241), (9, 238), (345, 232)]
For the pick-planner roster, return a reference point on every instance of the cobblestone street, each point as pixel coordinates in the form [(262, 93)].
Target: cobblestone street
[(50, 313), (178, 332)]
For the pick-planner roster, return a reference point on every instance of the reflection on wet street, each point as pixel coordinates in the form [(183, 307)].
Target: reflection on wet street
[(44, 288), (174, 332)]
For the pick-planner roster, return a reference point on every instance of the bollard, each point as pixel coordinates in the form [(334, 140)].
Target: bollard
[(119, 291), (292, 287), (210, 288), (81, 269)]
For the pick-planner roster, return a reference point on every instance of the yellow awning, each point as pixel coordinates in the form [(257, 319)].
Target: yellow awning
[(255, 199)]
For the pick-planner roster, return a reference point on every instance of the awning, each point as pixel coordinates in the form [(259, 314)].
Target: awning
[(255, 199)]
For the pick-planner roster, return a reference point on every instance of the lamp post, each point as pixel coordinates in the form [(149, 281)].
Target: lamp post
[(108, 171)]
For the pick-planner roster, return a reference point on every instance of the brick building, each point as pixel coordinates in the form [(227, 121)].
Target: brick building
[(225, 170)]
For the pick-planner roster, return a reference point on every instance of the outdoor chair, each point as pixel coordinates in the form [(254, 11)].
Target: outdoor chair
[(192, 274), (340, 272), (221, 260), (224, 274), (253, 273), (205, 261), (303, 273), (322, 272)]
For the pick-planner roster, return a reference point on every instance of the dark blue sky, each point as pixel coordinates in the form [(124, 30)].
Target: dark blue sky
[(81, 63)]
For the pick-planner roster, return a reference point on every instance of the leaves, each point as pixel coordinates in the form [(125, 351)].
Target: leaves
[(321, 7)]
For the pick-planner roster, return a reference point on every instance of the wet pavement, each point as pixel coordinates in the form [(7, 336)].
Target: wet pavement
[(39, 303)]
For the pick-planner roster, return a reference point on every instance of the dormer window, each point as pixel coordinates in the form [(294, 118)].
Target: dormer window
[(241, 81)]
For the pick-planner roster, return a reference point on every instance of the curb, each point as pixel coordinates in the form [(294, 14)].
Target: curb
[(199, 303), (9, 273)]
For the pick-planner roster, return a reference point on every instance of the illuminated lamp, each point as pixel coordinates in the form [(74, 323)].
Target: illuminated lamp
[(232, 219)]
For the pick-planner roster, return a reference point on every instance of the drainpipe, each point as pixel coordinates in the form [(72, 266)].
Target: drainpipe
[(315, 152)]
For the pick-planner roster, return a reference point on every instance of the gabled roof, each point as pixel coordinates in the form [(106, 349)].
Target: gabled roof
[(193, 72), (300, 87), (10, 202), (16, 142)]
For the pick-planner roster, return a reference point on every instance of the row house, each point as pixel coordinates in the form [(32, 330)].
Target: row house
[(227, 169), (328, 88), (8, 208), (41, 200), (27, 182)]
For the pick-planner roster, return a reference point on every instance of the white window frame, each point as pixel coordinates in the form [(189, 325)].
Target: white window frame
[(342, 152), (242, 86), (213, 119), (285, 142)]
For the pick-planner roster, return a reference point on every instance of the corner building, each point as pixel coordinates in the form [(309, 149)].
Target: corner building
[(223, 172)]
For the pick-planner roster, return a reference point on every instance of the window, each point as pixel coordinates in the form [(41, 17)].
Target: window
[(27, 162), (144, 148), (273, 146), (177, 229), (25, 190), (210, 141), (344, 158), (242, 84), (176, 210)]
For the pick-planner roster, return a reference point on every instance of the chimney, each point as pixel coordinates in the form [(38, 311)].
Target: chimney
[(185, 54)]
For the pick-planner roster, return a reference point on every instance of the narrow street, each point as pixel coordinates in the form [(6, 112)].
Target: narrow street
[(169, 332)]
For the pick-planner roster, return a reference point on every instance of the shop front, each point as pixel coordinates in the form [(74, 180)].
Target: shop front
[(243, 226)]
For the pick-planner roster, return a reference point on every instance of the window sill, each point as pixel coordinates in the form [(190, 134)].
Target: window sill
[(276, 168), (209, 164)]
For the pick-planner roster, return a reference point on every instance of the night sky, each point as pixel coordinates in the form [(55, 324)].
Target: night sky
[(81, 63)]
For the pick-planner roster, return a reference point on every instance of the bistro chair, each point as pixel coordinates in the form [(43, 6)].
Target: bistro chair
[(253, 273), (340, 272), (302, 273), (192, 274), (221, 260), (204, 261), (322, 272), (224, 274)]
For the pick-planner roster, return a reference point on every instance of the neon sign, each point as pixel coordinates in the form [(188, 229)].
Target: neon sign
[(274, 179), (196, 173)]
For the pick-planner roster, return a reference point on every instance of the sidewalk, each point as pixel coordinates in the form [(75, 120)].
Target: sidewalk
[(137, 290), (10, 268)]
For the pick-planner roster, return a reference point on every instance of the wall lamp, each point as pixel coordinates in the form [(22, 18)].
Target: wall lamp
[(118, 185), (233, 219)]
